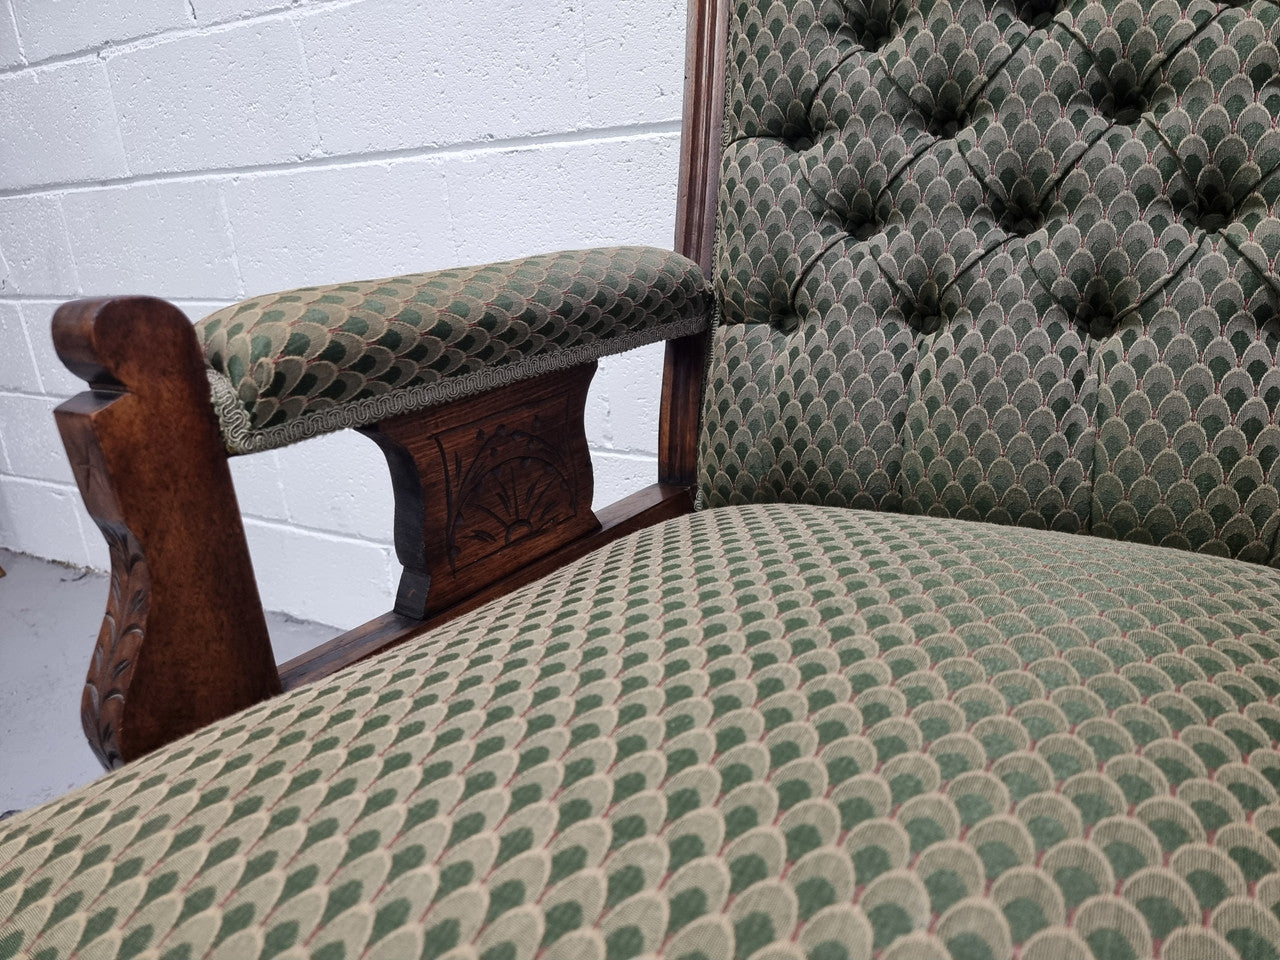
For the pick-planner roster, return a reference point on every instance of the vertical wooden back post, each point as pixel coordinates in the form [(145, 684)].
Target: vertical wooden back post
[(701, 144)]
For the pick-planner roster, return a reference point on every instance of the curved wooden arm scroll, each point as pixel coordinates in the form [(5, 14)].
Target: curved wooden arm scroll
[(184, 641)]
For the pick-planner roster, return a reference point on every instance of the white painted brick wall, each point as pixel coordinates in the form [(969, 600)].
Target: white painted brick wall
[(232, 97), (210, 150), (59, 125), (10, 48), (52, 28), (515, 70)]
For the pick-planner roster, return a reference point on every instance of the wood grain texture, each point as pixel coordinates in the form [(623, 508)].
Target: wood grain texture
[(644, 508), (487, 484), (683, 371), (702, 132), (701, 146), (184, 641)]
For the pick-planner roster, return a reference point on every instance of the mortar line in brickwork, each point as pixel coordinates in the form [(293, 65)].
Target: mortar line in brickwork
[(109, 49), (230, 231), (51, 298), (625, 453), (193, 307), (18, 393), (62, 486), (472, 148), (321, 533)]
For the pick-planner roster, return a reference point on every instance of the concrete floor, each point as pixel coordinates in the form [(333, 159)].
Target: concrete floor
[(49, 619)]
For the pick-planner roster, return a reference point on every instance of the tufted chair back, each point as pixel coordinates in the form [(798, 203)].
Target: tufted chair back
[(1008, 260)]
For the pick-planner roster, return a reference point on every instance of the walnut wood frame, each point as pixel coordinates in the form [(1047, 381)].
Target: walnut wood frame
[(184, 641)]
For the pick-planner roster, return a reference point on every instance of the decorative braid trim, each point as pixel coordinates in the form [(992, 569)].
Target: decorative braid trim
[(240, 437)]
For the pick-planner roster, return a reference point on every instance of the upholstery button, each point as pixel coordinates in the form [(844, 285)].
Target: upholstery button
[(797, 138), (925, 303), (861, 220), (786, 322), (872, 22), (1212, 212), (1020, 214), (947, 117), (1098, 319), (926, 323), (798, 132), (1126, 101), (1037, 13)]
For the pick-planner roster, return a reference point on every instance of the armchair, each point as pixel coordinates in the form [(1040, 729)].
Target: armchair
[(972, 649)]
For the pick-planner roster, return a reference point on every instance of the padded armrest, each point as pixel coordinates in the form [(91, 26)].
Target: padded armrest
[(291, 365)]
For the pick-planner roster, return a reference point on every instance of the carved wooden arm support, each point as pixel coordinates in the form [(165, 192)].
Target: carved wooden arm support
[(491, 491), (485, 486), (184, 640), (486, 480)]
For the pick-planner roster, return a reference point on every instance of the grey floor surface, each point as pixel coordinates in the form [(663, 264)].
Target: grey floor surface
[(49, 619)]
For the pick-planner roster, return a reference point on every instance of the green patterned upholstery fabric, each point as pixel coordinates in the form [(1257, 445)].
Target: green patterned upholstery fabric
[(287, 366), (767, 731), (1010, 260)]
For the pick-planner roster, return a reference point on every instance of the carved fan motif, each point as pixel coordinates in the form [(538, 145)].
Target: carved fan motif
[(517, 485), (485, 486)]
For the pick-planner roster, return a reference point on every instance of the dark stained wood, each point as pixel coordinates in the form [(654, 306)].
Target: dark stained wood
[(644, 508), (486, 484), (184, 641), (684, 368), (701, 146), (702, 133)]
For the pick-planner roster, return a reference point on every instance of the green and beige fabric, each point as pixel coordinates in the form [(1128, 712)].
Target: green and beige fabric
[(769, 731), (991, 275), (1010, 261), (291, 365)]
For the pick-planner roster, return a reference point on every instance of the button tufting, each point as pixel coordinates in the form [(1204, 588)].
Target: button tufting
[(925, 302), (1125, 100), (1214, 208), (1095, 313), (1072, 207), (798, 132), (1037, 13), (926, 323), (1021, 213), (872, 22), (787, 321), (861, 219), (798, 138), (948, 115)]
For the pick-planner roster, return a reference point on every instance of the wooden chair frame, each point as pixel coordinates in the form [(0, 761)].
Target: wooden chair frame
[(184, 641)]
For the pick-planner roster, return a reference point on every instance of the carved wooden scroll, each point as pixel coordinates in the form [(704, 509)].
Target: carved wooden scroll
[(184, 641), (487, 484)]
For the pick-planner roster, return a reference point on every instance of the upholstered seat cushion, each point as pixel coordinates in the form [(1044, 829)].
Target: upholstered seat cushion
[(825, 729), (289, 365)]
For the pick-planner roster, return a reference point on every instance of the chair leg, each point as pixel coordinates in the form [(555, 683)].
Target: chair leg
[(184, 640)]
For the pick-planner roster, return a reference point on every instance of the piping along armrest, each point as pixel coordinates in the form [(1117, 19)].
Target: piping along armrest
[(291, 365)]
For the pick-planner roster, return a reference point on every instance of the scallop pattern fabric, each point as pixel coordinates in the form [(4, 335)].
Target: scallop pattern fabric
[(287, 366), (1009, 260), (759, 732)]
